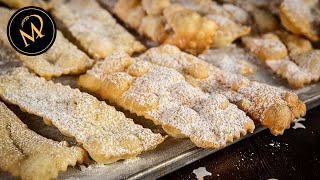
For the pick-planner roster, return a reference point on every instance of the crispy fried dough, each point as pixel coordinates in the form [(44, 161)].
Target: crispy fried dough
[(296, 17), (105, 133), (93, 28), (164, 22), (271, 106), (17, 4), (162, 95), (28, 155)]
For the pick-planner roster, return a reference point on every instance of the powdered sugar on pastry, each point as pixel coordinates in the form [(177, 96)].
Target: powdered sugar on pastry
[(105, 133), (271, 106), (296, 76), (96, 31), (162, 95), (296, 17), (28, 155), (166, 22), (231, 59)]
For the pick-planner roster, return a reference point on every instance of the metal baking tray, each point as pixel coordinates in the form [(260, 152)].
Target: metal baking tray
[(167, 157)]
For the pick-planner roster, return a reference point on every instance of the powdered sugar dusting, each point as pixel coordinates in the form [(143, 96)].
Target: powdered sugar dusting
[(181, 109), (103, 131)]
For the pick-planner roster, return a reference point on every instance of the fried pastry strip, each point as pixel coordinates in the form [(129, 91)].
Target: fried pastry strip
[(296, 17), (296, 76), (105, 133), (93, 28), (228, 30), (296, 44), (230, 59), (270, 48), (28, 155), (162, 95), (62, 58), (310, 61), (17, 4), (164, 22), (266, 47), (271, 106)]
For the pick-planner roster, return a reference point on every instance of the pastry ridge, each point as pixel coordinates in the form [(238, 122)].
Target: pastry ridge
[(28, 155), (263, 103), (103, 131), (93, 28), (162, 95)]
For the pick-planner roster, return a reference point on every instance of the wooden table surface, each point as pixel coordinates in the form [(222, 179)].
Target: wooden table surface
[(294, 155)]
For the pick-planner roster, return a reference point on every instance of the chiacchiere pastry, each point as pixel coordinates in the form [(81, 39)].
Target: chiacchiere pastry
[(93, 28), (271, 106), (266, 47), (228, 30), (62, 58), (162, 95), (23, 3), (103, 131), (297, 18), (274, 53), (28, 155), (295, 44), (166, 22), (231, 59)]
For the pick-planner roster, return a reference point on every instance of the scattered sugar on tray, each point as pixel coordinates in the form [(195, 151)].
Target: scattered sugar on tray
[(131, 160)]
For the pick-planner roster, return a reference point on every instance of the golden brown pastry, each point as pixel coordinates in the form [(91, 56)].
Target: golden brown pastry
[(296, 17), (191, 32), (296, 76), (162, 95), (164, 22), (17, 4), (310, 61), (131, 12), (93, 28), (28, 155), (296, 44), (264, 21), (273, 107), (62, 58), (231, 59), (103, 131), (227, 31), (266, 47)]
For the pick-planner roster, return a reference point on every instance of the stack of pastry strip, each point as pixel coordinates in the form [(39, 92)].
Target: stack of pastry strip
[(53, 63), (93, 28), (103, 131), (16, 4), (162, 95), (165, 22), (271, 106), (28, 155)]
